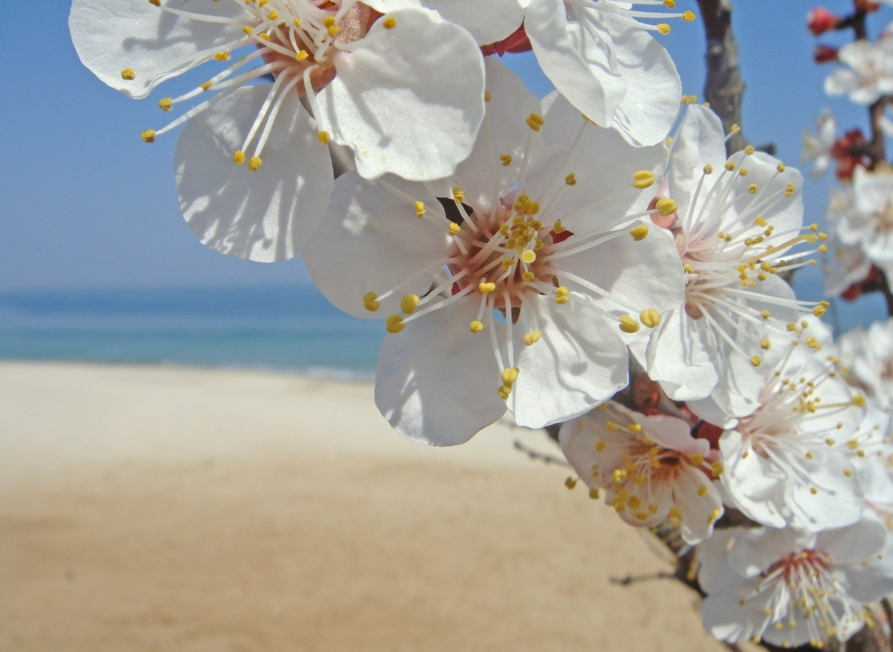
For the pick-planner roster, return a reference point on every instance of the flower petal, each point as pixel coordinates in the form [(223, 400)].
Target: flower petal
[(113, 35), (681, 358), (408, 100), (699, 141), (488, 22), (430, 369), (604, 190), (579, 363), (578, 63), (483, 176), (371, 241), (265, 216)]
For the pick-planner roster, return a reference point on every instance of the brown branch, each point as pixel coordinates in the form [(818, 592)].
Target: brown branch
[(723, 88)]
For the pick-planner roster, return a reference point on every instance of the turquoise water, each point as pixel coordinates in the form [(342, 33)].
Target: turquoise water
[(291, 329), (281, 328)]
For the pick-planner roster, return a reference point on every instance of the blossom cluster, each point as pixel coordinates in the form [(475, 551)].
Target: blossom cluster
[(522, 254)]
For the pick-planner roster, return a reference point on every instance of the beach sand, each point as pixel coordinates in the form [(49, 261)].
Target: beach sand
[(168, 509)]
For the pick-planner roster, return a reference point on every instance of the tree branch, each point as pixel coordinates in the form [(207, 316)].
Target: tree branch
[(723, 88)]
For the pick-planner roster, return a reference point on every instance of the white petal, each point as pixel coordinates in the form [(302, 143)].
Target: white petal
[(700, 141), (681, 357), (112, 35), (371, 240), (851, 545), (841, 81), (752, 482), (408, 100), (728, 620), (602, 162), (482, 176), (265, 216), (838, 501), (697, 511), (715, 575), (578, 363), (653, 89), (645, 274), (430, 369), (578, 63)]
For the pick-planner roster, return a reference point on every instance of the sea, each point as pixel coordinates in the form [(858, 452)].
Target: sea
[(291, 329)]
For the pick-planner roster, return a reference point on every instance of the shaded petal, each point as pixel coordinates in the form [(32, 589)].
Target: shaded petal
[(754, 483), (853, 544), (727, 619), (371, 241), (430, 369), (265, 216), (578, 363), (407, 100), (111, 35), (576, 61), (699, 513), (649, 108), (700, 141)]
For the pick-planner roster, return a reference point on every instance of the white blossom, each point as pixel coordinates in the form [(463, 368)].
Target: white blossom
[(738, 219), (790, 462), (817, 149), (650, 467), (528, 298), (791, 587), (355, 70), (869, 72), (870, 222), (868, 359)]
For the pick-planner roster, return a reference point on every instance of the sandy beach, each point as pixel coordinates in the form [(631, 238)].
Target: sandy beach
[(161, 508)]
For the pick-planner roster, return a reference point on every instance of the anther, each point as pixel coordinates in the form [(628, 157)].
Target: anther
[(528, 256), (148, 136), (394, 324), (666, 206), (487, 96), (639, 232), (535, 121), (166, 103), (663, 28), (239, 157), (643, 179), (487, 287), (128, 74), (510, 375), (650, 317), (254, 163), (532, 338), (708, 169), (419, 209), (730, 166), (222, 56), (476, 327), (458, 195), (688, 16), (409, 303), (629, 324), (370, 302), (454, 229), (570, 483), (323, 137), (506, 160), (570, 180), (389, 23), (562, 295), (756, 361), (749, 150), (765, 344)]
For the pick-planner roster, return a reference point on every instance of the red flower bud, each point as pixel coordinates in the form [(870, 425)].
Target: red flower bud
[(820, 20), (866, 6), (824, 54)]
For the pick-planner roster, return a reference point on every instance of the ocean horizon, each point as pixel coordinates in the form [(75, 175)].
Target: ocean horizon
[(290, 329)]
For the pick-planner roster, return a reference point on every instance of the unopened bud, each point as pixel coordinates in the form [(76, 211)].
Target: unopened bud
[(820, 20)]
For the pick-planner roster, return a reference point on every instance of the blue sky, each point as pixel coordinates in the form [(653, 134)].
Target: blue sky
[(86, 204)]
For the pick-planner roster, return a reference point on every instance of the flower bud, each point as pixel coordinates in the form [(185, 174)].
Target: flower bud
[(820, 20), (866, 6), (824, 54)]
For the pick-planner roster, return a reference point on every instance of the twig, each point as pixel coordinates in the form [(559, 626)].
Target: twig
[(542, 457), (628, 579)]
